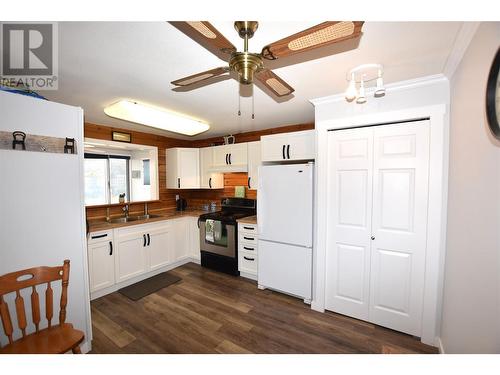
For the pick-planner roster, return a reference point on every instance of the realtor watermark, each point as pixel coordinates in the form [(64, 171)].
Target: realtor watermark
[(29, 55)]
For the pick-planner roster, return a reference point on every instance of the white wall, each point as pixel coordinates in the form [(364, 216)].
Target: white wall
[(471, 313)]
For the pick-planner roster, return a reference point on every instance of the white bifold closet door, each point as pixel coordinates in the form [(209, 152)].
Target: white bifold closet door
[(377, 223)]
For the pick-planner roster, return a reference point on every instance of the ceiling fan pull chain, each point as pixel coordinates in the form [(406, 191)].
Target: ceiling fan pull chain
[(253, 106)]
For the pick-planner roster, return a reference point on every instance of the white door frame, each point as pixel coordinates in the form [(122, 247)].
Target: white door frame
[(436, 217)]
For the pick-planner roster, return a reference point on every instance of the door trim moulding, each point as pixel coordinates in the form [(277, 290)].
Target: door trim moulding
[(437, 206)]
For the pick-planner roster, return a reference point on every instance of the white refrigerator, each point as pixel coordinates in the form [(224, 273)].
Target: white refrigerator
[(285, 227), (42, 212)]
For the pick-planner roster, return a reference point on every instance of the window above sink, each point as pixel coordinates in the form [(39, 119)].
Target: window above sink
[(114, 168)]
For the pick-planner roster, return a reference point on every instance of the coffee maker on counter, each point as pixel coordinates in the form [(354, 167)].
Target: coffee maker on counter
[(181, 203)]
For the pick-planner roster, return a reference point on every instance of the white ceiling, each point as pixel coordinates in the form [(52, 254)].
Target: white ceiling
[(102, 62)]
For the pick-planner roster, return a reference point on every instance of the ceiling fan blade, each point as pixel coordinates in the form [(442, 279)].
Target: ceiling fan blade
[(195, 78), (274, 83), (208, 36), (321, 35)]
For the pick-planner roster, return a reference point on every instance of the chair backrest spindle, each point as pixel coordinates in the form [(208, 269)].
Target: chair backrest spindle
[(35, 308), (49, 304), (21, 313), (6, 321)]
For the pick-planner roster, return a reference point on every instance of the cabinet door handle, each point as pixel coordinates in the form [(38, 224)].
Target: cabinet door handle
[(179, 182), (110, 248), (226, 160), (144, 242), (149, 239), (210, 182), (249, 182), (229, 158), (248, 238), (249, 228), (252, 259), (283, 152), (248, 248), (288, 151), (100, 236)]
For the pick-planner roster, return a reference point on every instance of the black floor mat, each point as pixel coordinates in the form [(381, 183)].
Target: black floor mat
[(141, 289)]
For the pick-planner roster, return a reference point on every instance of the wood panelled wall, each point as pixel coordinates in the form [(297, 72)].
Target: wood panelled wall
[(196, 197)]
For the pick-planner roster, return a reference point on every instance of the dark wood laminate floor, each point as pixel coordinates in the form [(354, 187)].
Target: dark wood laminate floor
[(210, 312)]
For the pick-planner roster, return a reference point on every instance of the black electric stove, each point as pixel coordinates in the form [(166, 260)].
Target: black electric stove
[(221, 254)]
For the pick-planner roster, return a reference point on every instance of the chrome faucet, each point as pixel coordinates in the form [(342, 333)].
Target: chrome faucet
[(125, 209), (145, 208)]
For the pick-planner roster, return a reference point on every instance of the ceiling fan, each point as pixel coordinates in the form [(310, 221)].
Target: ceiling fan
[(251, 65)]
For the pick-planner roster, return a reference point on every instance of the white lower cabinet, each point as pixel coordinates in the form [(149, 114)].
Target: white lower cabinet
[(101, 260), (121, 256), (248, 250), (194, 238), (131, 255), (160, 246), (180, 238)]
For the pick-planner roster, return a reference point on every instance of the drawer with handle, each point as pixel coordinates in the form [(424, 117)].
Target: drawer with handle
[(104, 235), (247, 263), (251, 249), (247, 228), (251, 239)]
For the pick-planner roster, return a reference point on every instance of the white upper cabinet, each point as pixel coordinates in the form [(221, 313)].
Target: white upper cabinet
[(230, 158), (288, 146), (254, 160), (183, 168), (208, 179)]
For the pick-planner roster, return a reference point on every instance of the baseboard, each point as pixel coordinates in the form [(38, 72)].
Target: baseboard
[(195, 260), (250, 276), (317, 307), (86, 347), (440, 346)]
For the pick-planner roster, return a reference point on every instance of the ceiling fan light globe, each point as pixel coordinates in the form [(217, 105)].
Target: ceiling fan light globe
[(380, 89), (351, 91), (361, 100)]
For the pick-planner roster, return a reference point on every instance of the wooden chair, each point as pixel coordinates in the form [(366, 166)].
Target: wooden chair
[(58, 338)]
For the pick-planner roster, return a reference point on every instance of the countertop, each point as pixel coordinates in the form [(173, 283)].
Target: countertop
[(101, 224), (248, 220)]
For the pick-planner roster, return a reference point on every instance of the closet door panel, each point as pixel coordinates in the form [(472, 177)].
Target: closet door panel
[(399, 225), (349, 221)]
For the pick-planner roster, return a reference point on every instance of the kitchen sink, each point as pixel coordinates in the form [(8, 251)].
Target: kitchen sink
[(145, 217), (133, 218)]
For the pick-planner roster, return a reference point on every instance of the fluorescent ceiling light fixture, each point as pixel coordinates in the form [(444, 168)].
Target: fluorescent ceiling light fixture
[(155, 117)]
